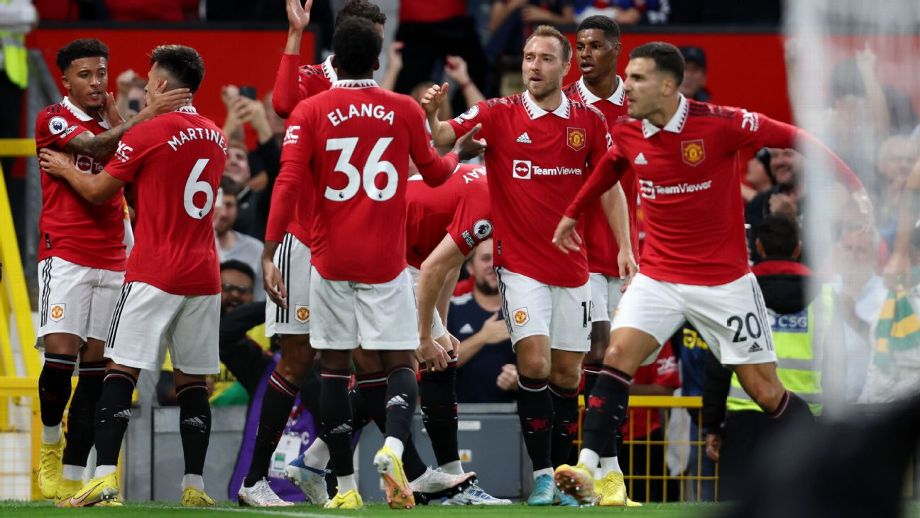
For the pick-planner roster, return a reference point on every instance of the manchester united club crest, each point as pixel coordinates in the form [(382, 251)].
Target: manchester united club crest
[(575, 138), (57, 312), (520, 316), (302, 313), (693, 152)]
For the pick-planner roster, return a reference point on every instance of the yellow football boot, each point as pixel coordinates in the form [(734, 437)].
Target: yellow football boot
[(194, 497), (347, 500), (577, 481), (100, 490), (50, 468), (398, 492)]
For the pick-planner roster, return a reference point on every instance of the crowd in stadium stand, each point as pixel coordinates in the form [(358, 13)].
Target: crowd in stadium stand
[(476, 46)]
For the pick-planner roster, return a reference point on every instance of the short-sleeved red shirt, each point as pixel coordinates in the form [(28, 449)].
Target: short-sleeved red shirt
[(175, 162), (459, 208), (72, 228)]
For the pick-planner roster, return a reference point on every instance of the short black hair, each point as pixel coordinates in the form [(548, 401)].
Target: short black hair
[(356, 45), (183, 63), (360, 9), (228, 186), (667, 58), (778, 235), (609, 27), (240, 266), (83, 48)]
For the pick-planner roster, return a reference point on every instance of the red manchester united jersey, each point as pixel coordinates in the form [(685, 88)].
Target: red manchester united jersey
[(537, 161), (293, 84), (175, 162), (354, 142), (601, 243), (690, 189), (459, 209), (72, 228)]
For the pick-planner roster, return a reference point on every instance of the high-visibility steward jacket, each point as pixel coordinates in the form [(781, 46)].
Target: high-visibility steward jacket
[(15, 59), (799, 342)]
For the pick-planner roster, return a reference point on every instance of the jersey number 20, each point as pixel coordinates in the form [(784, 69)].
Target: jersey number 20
[(366, 178)]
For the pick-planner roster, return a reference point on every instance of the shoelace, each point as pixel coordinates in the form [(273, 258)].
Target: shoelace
[(264, 491)]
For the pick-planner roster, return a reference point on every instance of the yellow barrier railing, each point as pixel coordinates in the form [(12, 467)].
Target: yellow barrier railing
[(19, 400), (14, 297), (644, 459)]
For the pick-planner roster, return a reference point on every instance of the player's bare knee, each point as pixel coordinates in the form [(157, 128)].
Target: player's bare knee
[(533, 366), (565, 377)]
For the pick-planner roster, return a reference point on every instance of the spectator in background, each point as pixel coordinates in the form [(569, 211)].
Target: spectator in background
[(513, 20), (694, 84), (786, 194), (432, 31), (624, 12), (896, 157), (131, 93), (230, 243), (487, 372), (264, 161), (237, 281), (645, 460), (802, 325)]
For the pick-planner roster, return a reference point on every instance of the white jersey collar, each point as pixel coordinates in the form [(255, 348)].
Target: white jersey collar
[(618, 97), (535, 112)]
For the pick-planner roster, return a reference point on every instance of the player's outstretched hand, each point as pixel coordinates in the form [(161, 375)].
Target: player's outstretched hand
[(467, 146), (432, 354), (298, 15), (897, 272), (274, 284), (565, 237), (55, 163), (431, 100), (160, 100), (628, 266)]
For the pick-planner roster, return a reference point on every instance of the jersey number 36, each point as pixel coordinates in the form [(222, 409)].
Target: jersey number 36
[(367, 178)]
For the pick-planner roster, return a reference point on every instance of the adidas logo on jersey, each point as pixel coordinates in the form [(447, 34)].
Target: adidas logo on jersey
[(756, 348), (467, 329), (342, 428), (640, 160), (523, 139)]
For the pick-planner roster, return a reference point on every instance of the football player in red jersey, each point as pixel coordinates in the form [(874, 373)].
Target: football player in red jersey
[(542, 146), (171, 295), (353, 143), (682, 152), (81, 258), (597, 49), (294, 84), (292, 322)]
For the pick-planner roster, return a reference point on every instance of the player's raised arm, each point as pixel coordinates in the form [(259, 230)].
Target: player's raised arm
[(288, 91), (101, 146), (94, 188), (607, 173), (897, 271), (436, 169)]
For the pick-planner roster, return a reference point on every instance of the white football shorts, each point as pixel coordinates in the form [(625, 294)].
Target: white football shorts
[(731, 317), (76, 299), (293, 259), (347, 314), (437, 326), (605, 296), (533, 308), (148, 321)]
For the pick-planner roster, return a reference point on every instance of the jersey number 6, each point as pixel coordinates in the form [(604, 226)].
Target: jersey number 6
[(368, 177), (192, 186)]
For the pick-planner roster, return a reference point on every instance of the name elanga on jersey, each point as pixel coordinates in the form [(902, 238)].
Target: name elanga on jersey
[(375, 111)]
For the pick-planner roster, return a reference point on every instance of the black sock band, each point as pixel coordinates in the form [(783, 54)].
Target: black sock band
[(81, 417), (402, 392), (113, 411), (273, 416), (565, 422), (337, 422), (535, 411), (54, 386), (439, 411), (194, 424), (606, 410)]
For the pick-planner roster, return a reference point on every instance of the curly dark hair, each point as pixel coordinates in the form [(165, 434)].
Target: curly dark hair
[(360, 9), (609, 27), (82, 48), (183, 63), (356, 44)]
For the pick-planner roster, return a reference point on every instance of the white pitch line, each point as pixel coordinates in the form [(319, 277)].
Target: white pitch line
[(251, 510)]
